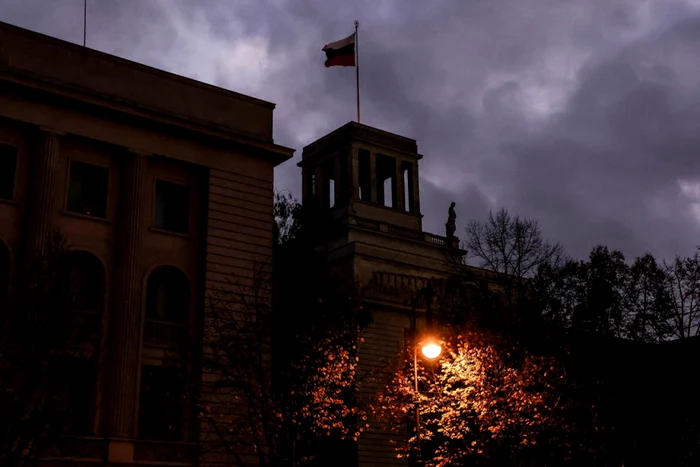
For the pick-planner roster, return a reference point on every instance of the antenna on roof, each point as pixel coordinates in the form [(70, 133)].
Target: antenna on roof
[(84, 22)]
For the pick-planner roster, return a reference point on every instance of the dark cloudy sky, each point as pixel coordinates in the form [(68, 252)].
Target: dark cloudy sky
[(582, 114)]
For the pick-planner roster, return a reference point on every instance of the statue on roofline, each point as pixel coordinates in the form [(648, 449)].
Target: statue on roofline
[(451, 224)]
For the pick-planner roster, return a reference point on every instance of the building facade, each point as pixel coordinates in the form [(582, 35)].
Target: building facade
[(363, 184), (163, 189)]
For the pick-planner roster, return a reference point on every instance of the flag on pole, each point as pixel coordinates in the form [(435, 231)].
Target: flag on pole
[(341, 53), (346, 52)]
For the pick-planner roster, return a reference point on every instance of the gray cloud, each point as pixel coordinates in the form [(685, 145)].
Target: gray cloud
[(583, 115)]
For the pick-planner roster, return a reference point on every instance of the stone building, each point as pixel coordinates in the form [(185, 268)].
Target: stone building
[(363, 184), (163, 187)]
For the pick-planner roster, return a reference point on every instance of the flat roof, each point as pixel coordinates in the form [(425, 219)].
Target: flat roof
[(37, 60), (353, 131)]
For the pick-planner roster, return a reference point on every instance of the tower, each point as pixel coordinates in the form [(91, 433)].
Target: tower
[(363, 172), (361, 190)]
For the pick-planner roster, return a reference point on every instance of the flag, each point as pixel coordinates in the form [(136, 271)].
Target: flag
[(341, 53)]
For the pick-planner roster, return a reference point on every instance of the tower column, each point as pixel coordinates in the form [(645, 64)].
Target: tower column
[(400, 202), (339, 185), (319, 187), (354, 170), (410, 200), (415, 195), (307, 189), (126, 309), (373, 177), (43, 184)]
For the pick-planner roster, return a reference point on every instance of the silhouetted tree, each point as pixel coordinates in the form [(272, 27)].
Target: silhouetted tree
[(39, 331), (603, 309), (605, 295), (282, 353), (649, 300), (683, 281), (514, 248), (287, 212), (278, 422), (558, 290)]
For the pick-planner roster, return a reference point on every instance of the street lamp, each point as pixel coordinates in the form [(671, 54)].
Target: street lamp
[(430, 346)]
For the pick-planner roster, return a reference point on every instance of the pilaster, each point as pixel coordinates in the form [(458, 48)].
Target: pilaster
[(354, 171), (339, 194), (126, 309), (42, 194)]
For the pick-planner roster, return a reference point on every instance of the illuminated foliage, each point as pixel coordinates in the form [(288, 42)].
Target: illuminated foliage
[(284, 357), (482, 403)]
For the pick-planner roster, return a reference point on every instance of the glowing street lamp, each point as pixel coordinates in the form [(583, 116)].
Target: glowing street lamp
[(431, 348)]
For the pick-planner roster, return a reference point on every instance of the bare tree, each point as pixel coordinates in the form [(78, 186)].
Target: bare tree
[(559, 291), (684, 286), (514, 248), (649, 301), (282, 389), (39, 331), (606, 296), (287, 214)]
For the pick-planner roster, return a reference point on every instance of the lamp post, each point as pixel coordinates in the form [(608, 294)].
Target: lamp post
[(430, 347)]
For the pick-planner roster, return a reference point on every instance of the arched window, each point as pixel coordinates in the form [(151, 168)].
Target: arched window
[(162, 403), (168, 295), (86, 278), (4, 282), (75, 373)]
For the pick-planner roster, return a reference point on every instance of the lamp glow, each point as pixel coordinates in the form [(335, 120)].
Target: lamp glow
[(432, 350)]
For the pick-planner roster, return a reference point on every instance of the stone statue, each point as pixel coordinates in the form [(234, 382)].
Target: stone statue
[(451, 224)]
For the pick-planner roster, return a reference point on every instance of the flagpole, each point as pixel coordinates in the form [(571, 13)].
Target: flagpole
[(357, 70), (84, 22)]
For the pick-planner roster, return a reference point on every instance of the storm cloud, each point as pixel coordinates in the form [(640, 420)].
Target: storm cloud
[(582, 115)]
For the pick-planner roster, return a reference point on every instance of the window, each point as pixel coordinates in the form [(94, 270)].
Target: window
[(167, 295), (72, 382), (74, 369), (365, 175), (161, 406), (386, 180), (4, 281), (85, 276), (167, 304), (82, 281), (87, 189), (8, 166), (172, 210)]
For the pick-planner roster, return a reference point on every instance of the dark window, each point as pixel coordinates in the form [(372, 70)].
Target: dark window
[(4, 281), (172, 211), (365, 175), (8, 166), (168, 295), (85, 277), (161, 406), (72, 383), (82, 285), (87, 189), (386, 180)]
